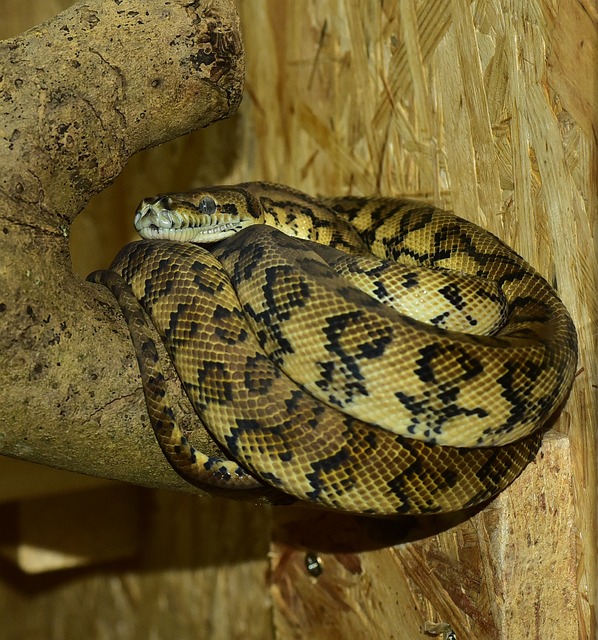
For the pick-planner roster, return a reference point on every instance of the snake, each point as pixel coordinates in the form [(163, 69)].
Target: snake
[(372, 355)]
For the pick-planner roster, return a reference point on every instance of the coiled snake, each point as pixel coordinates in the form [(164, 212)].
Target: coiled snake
[(319, 388)]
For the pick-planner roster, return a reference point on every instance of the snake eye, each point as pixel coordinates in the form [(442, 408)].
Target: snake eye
[(207, 205)]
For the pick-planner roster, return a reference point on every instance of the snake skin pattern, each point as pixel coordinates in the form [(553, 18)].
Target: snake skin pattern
[(299, 357)]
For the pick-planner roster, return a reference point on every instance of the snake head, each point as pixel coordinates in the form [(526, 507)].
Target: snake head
[(202, 216)]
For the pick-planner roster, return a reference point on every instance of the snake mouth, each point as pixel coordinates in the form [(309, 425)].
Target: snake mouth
[(162, 218)]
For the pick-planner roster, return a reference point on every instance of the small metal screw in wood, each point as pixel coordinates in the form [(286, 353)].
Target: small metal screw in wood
[(313, 564)]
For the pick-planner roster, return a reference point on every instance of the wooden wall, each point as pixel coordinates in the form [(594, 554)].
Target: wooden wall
[(486, 107)]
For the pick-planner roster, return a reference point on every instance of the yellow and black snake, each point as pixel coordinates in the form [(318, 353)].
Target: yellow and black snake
[(302, 358)]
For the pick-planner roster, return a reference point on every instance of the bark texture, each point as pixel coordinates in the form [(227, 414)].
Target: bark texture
[(79, 95)]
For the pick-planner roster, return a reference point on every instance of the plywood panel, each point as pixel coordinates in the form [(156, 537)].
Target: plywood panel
[(483, 107)]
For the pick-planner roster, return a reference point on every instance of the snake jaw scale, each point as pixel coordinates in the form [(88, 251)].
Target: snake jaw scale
[(166, 218), (157, 214)]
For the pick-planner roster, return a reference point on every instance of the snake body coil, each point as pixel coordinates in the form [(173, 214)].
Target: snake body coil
[(315, 386)]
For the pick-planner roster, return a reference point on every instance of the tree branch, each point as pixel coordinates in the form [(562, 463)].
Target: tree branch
[(80, 95)]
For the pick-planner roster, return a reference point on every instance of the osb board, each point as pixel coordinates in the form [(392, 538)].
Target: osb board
[(488, 108)]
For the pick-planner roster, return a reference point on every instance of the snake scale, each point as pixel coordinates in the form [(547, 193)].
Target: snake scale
[(371, 355)]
